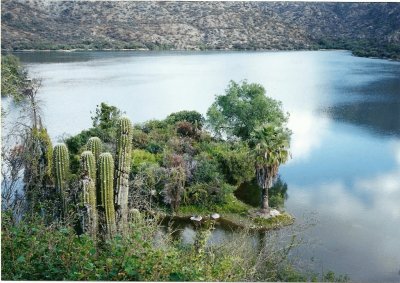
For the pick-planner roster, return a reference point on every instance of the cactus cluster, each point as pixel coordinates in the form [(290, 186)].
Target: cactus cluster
[(103, 185)]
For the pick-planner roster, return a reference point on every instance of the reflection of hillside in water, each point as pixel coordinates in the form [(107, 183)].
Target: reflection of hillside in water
[(380, 117), (375, 106)]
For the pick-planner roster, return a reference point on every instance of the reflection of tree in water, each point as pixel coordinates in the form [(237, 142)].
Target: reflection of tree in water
[(278, 194), (250, 193)]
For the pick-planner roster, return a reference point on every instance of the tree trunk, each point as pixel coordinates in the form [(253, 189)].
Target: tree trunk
[(264, 199)]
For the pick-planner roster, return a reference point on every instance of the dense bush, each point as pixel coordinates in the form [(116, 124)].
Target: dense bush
[(31, 250), (206, 170), (141, 157), (186, 129), (193, 117), (179, 141)]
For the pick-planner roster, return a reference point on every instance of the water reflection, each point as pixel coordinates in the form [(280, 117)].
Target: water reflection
[(250, 193), (380, 117), (371, 101), (362, 213), (67, 56)]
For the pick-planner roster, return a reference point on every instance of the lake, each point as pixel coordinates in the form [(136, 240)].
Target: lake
[(344, 114)]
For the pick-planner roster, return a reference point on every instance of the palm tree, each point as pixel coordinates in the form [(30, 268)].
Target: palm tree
[(270, 148)]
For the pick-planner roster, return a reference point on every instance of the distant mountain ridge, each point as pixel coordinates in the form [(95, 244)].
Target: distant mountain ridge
[(368, 29)]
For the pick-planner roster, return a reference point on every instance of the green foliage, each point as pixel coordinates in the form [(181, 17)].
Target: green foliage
[(197, 194), (206, 170), (152, 136), (271, 145), (243, 108), (235, 162), (330, 276), (193, 117), (271, 149), (141, 157), (43, 141), (250, 193), (362, 47), (106, 119), (77, 144), (104, 127), (150, 178), (230, 205), (209, 195), (14, 77), (275, 222), (32, 251)]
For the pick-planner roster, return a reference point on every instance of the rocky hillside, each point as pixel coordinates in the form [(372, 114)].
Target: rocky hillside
[(369, 29)]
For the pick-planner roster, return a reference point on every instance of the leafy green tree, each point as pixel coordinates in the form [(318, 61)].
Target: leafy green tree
[(271, 149), (241, 109), (14, 77), (193, 117), (105, 119)]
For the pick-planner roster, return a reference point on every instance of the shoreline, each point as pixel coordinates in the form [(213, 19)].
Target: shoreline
[(145, 50)]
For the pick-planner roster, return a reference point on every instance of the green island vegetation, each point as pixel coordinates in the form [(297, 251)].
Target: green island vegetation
[(92, 207)]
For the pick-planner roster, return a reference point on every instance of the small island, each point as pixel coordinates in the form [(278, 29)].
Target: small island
[(177, 167)]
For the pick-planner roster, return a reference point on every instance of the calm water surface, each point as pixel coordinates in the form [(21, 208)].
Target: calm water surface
[(344, 113)]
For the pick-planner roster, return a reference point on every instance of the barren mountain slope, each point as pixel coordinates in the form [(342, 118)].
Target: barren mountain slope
[(372, 28)]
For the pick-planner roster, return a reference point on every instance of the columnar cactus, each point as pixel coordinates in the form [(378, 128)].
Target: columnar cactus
[(88, 164), (106, 193), (94, 145), (122, 170), (87, 194), (61, 172)]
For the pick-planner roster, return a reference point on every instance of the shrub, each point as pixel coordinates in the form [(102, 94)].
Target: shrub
[(140, 157), (236, 164), (193, 117), (206, 170), (186, 129)]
